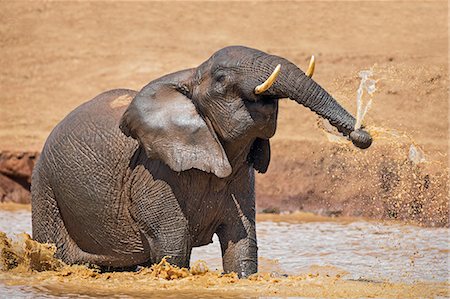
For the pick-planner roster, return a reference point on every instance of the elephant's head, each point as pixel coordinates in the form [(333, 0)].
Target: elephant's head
[(186, 118)]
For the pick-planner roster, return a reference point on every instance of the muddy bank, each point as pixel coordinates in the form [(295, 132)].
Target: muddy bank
[(15, 175), (327, 179), (26, 262)]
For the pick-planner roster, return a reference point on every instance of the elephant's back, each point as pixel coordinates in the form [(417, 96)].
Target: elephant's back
[(86, 158), (91, 134), (104, 111)]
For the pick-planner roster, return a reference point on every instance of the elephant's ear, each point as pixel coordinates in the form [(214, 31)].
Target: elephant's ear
[(259, 155), (169, 128)]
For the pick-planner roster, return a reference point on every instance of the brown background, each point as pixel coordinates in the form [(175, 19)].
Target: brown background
[(55, 56)]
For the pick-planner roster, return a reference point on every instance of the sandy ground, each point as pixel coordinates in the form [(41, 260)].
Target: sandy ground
[(57, 55)]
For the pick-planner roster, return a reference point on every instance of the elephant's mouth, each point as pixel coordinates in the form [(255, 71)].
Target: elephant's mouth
[(264, 105), (264, 113)]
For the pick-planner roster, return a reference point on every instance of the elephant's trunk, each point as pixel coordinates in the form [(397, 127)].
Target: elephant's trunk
[(305, 91), (294, 84)]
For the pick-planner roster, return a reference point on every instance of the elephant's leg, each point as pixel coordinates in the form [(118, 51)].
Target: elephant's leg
[(159, 216), (238, 239), (48, 225)]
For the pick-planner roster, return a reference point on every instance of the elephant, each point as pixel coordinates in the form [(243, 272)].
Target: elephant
[(129, 177)]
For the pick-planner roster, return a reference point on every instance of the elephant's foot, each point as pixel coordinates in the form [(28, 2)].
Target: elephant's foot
[(240, 258), (239, 250)]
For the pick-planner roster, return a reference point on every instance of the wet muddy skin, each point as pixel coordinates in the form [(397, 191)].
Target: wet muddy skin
[(322, 259)]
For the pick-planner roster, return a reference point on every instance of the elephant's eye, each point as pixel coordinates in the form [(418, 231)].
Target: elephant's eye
[(221, 81), (220, 77)]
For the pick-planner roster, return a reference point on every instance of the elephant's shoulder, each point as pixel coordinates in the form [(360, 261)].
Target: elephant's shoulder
[(105, 108), (115, 101), (95, 120)]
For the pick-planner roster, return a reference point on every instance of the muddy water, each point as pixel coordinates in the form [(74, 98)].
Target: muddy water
[(356, 258)]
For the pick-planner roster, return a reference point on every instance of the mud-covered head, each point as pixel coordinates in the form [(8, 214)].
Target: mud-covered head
[(238, 89)]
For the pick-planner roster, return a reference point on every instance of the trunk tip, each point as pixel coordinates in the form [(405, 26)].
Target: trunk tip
[(361, 139)]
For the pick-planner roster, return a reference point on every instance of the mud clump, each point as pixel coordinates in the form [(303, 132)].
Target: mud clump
[(27, 255), (165, 270), (8, 257)]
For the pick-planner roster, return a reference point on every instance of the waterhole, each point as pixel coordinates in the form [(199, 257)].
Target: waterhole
[(367, 254)]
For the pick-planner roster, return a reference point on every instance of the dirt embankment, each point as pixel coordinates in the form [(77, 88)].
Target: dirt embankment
[(334, 180), (15, 176), (55, 56)]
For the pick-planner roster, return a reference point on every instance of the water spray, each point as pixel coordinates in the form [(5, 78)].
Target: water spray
[(368, 85)]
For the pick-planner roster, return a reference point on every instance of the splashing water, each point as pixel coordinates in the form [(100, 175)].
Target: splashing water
[(368, 85), (416, 154), (382, 261)]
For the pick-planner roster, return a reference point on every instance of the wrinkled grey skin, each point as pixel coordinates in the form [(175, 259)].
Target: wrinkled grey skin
[(120, 185)]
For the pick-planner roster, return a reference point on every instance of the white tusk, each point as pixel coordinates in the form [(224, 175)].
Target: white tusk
[(266, 85), (311, 67)]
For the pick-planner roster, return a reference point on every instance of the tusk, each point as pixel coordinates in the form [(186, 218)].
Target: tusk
[(311, 67), (269, 82)]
